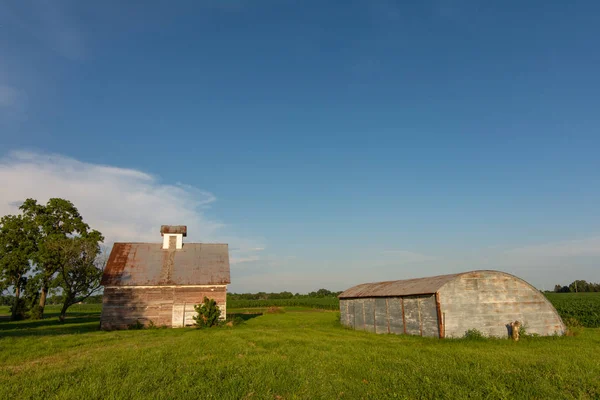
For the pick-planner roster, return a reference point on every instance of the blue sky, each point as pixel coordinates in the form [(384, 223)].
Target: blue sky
[(330, 143)]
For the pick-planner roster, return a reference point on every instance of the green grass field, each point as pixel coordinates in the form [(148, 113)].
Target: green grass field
[(300, 354), (577, 308)]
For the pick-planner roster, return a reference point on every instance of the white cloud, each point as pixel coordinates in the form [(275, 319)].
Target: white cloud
[(124, 204)]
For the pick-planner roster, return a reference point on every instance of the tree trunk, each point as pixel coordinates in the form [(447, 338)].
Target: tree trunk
[(63, 311), (43, 296), (16, 303)]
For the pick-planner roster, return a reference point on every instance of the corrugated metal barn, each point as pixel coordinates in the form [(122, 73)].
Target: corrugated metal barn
[(449, 305), (161, 282)]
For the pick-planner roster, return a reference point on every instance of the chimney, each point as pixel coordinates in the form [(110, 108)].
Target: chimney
[(173, 236)]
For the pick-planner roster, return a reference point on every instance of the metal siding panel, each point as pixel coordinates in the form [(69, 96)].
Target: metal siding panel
[(395, 315), (351, 313), (381, 321), (369, 305), (344, 312), (359, 317), (411, 314), (429, 316)]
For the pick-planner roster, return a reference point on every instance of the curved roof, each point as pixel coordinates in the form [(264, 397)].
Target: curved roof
[(406, 287)]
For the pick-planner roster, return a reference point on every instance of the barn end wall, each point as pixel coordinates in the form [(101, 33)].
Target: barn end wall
[(413, 315), (489, 300), (171, 306)]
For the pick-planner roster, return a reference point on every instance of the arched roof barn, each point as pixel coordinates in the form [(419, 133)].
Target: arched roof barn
[(449, 305)]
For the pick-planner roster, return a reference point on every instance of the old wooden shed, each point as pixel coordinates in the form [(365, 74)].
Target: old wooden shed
[(161, 282), (449, 305)]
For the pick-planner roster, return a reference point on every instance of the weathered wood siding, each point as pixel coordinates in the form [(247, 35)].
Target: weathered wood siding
[(488, 301), (169, 306), (414, 315)]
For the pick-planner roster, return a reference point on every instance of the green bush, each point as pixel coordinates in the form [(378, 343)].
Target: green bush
[(208, 314), (36, 312), (474, 334), (21, 310)]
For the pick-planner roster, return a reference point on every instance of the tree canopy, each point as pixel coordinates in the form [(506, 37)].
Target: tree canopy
[(49, 247)]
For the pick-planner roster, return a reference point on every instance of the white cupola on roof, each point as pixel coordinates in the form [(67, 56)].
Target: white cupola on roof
[(173, 236)]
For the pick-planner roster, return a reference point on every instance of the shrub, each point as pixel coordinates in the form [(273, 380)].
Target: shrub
[(572, 322), (474, 334), (137, 326), (21, 310), (208, 314), (36, 312)]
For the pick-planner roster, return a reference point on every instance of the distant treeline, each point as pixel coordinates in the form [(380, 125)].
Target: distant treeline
[(578, 286), (321, 293), (53, 300)]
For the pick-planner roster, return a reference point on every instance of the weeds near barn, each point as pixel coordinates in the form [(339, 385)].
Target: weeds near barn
[(474, 334)]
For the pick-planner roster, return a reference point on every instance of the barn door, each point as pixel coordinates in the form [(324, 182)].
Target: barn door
[(178, 318)]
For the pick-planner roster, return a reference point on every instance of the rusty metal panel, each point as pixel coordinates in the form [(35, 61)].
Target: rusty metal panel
[(395, 315), (359, 315), (439, 316), (398, 288), (173, 229), (381, 319), (412, 315), (148, 264), (369, 312)]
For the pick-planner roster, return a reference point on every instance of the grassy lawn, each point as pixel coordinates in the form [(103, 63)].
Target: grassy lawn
[(301, 354)]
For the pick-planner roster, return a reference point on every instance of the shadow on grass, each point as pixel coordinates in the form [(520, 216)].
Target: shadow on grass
[(244, 316), (77, 322)]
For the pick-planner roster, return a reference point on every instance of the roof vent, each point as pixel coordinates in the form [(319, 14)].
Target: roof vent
[(173, 236)]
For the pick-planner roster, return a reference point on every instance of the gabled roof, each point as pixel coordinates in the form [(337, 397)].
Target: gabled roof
[(405, 287), (148, 264)]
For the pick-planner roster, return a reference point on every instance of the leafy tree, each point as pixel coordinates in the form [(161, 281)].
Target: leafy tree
[(17, 244), (59, 219), (79, 269), (208, 314)]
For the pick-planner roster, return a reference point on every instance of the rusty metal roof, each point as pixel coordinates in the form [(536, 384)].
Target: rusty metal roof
[(173, 229), (405, 287), (147, 264)]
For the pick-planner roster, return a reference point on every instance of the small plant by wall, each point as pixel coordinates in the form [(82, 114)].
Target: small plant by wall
[(208, 314), (474, 334)]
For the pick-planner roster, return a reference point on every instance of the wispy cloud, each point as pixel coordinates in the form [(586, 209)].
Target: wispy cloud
[(124, 204)]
